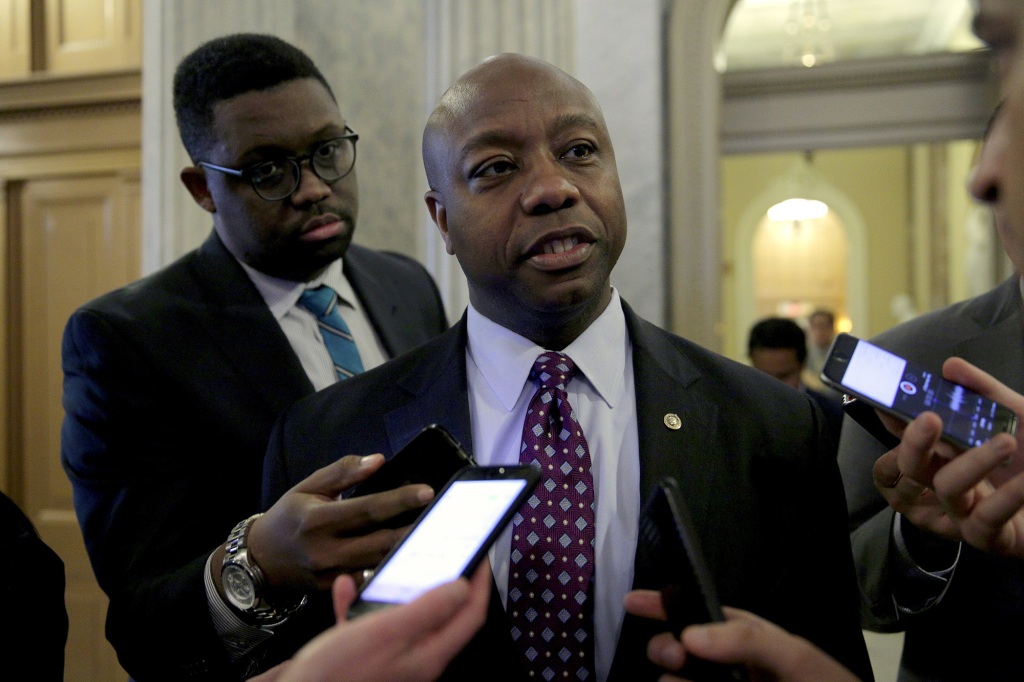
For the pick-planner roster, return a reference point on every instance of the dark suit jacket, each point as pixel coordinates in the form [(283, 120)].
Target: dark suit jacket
[(32, 590), (832, 407), (974, 632), (171, 387), (751, 457)]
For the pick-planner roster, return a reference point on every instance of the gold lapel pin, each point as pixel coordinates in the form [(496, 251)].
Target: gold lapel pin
[(673, 421)]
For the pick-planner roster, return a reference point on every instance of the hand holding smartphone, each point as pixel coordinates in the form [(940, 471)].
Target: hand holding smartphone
[(432, 457), (885, 381), (668, 545), (451, 537)]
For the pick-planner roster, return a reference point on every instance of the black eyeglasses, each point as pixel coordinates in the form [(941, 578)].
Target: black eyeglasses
[(279, 178)]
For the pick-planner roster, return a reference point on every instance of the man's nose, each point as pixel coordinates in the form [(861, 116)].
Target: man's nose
[(549, 189), (312, 188), (985, 178)]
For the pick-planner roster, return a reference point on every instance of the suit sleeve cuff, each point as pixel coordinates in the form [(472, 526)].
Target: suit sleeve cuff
[(924, 567)]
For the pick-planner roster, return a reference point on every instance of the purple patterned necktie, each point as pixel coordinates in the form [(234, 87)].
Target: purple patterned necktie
[(551, 570)]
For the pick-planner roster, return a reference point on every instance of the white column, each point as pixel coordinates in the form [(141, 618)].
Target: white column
[(620, 56), (694, 100)]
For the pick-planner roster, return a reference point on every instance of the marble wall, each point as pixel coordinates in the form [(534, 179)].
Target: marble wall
[(620, 55)]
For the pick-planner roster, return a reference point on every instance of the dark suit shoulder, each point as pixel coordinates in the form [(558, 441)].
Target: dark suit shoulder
[(689, 362), (378, 390), (206, 272), (944, 327), (351, 417), (399, 296)]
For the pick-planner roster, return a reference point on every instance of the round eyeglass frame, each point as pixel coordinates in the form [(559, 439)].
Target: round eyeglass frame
[(296, 163)]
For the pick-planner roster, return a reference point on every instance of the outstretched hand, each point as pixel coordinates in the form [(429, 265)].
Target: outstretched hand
[(976, 496), (409, 643), (769, 652)]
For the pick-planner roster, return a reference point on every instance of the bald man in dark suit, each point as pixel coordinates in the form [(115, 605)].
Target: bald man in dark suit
[(525, 193)]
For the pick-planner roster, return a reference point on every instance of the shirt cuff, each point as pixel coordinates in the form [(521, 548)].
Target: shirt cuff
[(915, 588)]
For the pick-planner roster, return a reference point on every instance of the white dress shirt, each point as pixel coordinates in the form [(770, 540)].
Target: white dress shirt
[(498, 364), (300, 325)]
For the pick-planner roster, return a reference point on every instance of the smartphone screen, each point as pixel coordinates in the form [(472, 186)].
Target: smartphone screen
[(451, 537), (894, 385)]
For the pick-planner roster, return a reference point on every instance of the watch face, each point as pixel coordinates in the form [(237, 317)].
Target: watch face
[(238, 586)]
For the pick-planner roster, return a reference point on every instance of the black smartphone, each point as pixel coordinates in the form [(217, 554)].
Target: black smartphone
[(433, 456), (864, 414), (668, 547), (894, 386), (451, 537)]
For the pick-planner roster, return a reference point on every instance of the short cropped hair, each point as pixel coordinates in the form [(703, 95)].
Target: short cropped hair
[(778, 332), (224, 68)]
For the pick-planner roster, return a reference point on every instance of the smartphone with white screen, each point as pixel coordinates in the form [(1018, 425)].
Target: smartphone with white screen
[(451, 537), (896, 387)]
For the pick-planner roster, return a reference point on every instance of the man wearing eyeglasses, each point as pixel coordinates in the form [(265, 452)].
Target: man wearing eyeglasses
[(173, 383)]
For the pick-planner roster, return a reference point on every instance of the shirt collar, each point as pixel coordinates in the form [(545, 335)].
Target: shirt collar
[(281, 295), (505, 358)]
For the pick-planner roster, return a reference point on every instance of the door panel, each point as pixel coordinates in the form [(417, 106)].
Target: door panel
[(75, 238), (92, 35)]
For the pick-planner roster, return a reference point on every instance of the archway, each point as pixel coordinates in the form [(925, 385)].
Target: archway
[(802, 259)]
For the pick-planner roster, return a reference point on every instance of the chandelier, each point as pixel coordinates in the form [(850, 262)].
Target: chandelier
[(808, 33)]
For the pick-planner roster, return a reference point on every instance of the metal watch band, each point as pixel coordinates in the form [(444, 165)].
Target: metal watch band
[(236, 553)]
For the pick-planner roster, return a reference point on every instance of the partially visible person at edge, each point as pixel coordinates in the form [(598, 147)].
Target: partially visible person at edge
[(32, 586), (937, 537), (946, 596)]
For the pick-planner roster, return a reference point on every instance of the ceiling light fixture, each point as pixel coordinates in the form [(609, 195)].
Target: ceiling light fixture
[(797, 210), (808, 33)]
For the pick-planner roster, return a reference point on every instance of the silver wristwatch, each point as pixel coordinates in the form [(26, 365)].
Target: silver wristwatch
[(244, 584)]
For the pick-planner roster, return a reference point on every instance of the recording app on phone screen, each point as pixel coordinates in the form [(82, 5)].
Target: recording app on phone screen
[(889, 380), (444, 541)]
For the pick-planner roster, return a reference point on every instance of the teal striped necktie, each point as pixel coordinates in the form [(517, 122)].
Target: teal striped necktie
[(323, 303)]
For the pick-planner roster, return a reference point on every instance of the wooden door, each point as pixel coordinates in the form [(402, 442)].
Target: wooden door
[(73, 238), (92, 35), (15, 39)]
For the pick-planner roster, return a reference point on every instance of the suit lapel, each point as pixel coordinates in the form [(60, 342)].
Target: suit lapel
[(245, 331), (676, 418), (438, 390), (677, 415), (438, 394), (376, 300)]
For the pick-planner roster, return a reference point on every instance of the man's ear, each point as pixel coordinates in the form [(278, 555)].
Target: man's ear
[(440, 217), (194, 180)]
